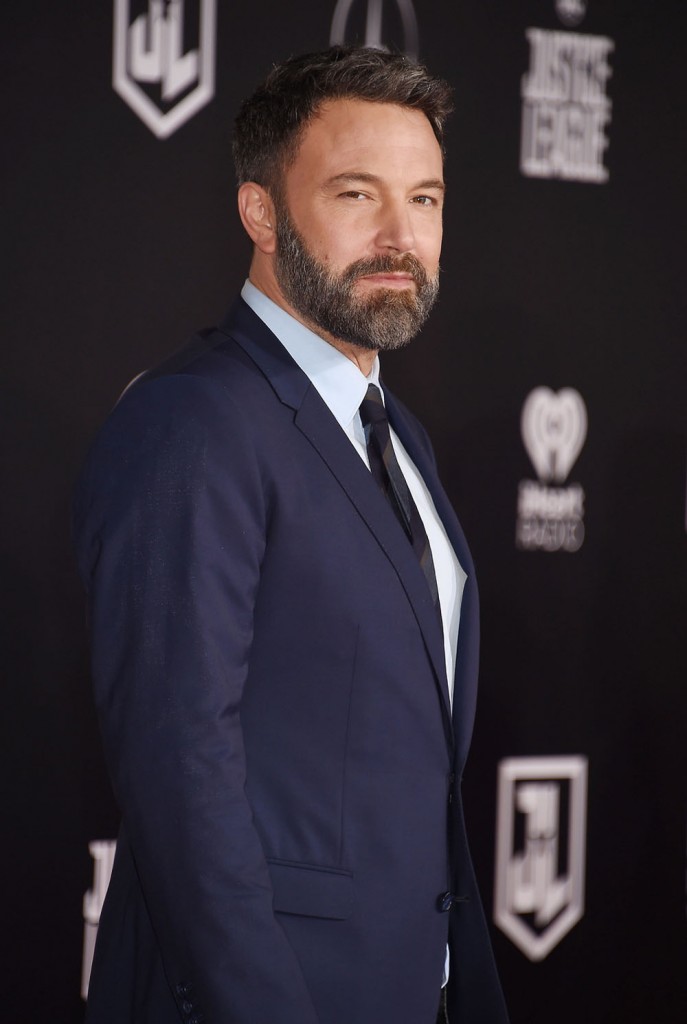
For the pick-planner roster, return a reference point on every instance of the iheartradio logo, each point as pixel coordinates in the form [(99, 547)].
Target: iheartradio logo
[(554, 428), (550, 512)]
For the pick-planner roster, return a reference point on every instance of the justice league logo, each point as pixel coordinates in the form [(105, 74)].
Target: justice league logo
[(377, 24), (540, 850), (554, 428), (566, 110), (164, 60)]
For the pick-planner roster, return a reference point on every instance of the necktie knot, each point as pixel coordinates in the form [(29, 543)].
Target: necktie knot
[(372, 409)]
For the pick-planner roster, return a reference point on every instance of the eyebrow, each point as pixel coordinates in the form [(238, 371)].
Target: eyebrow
[(353, 177)]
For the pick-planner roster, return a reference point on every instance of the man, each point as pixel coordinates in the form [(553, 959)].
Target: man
[(283, 605)]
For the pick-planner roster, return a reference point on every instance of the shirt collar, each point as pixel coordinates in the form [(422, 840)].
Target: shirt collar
[(339, 382)]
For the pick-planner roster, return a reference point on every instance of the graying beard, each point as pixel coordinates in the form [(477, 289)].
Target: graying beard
[(384, 321)]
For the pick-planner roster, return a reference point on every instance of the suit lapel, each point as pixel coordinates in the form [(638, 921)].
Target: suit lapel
[(318, 425)]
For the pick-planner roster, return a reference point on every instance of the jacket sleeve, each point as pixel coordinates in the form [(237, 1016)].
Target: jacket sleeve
[(171, 522)]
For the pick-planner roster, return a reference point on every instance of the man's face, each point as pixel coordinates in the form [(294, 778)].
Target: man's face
[(359, 223)]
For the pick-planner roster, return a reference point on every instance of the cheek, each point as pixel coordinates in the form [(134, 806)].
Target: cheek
[(328, 240), (430, 245), (339, 248)]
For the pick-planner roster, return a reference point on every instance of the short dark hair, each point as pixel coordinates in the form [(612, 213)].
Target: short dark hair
[(270, 123)]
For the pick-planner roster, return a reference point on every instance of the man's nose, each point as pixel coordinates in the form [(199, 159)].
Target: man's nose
[(395, 229)]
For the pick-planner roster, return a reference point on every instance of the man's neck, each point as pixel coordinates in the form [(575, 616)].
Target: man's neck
[(363, 358)]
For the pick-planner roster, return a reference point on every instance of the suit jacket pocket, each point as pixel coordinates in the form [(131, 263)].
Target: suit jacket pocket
[(310, 890)]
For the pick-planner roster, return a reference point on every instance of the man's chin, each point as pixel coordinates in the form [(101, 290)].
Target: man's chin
[(376, 300)]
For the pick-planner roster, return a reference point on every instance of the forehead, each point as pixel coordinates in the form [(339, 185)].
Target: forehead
[(384, 139)]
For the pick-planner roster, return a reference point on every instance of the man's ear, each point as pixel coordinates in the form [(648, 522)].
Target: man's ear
[(256, 210)]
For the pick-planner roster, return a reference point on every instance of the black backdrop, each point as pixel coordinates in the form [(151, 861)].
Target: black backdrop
[(119, 244)]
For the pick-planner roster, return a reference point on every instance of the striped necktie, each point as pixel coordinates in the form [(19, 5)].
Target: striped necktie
[(387, 472)]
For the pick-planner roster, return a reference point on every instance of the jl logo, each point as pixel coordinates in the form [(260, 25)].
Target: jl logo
[(376, 33), (540, 850), (163, 82)]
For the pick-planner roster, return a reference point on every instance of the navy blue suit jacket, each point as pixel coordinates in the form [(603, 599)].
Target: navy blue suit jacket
[(269, 676)]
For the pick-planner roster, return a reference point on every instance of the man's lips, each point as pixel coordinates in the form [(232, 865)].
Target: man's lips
[(389, 280)]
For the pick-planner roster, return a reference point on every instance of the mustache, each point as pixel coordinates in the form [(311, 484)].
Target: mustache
[(404, 264)]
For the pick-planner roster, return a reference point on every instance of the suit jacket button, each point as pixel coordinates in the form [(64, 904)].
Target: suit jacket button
[(445, 902), (184, 988), (186, 1007)]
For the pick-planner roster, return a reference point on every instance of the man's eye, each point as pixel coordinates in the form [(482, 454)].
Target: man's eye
[(353, 195), (424, 200)]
